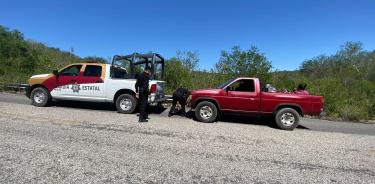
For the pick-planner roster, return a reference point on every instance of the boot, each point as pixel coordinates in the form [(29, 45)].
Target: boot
[(183, 114), (183, 111), (143, 121), (171, 112)]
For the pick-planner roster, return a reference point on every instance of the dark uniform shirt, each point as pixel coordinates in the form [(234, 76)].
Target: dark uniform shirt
[(142, 84), (182, 94)]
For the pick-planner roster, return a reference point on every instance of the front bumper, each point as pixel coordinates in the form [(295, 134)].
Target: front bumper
[(28, 91)]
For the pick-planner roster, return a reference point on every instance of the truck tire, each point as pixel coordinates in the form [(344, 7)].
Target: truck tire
[(40, 97), (126, 103), (206, 112), (287, 119)]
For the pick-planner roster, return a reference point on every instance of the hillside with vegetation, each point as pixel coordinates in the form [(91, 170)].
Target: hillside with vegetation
[(21, 58), (346, 79)]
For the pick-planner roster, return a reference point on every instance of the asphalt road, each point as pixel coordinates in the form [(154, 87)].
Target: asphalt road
[(306, 123), (63, 144)]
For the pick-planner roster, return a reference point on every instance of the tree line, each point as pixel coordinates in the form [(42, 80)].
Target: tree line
[(346, 79)]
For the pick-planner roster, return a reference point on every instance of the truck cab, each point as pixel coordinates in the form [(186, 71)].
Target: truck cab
[(245, 96), (98, 82)]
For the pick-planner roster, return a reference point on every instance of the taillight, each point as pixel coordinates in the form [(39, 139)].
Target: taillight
[(153, 88)]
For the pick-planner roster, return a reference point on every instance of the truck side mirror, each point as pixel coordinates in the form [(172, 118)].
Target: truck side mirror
[(56, 73), (227, 89)]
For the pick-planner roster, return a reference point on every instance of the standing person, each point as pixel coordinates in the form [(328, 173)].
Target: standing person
[(180, 95), (142, 90)]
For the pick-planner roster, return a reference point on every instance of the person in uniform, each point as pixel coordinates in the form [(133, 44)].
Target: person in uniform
[(301, 90), (181, 96), (142, 90)]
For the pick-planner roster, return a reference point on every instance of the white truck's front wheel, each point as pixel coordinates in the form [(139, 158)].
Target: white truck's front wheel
[(40, 97), (126, 103)]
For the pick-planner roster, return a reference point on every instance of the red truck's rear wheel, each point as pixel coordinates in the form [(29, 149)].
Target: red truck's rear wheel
[(287, 119), (206, 112)]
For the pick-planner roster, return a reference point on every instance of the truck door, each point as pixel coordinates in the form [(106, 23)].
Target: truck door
[(241, 96), (67, 81), (91, 83)]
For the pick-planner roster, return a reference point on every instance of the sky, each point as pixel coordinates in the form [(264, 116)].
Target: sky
[(286, 31)]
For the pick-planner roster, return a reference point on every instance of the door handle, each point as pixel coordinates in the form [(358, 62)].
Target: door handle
[(252, 99)]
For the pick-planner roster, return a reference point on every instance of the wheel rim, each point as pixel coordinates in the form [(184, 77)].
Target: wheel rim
[(39, 97), (287, 119), (206, 112), (126, 104)]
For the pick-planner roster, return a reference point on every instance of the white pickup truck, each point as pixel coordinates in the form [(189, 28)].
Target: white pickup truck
[(97, 82)]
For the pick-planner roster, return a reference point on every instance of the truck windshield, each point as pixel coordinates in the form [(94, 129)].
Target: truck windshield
[(225, 83)]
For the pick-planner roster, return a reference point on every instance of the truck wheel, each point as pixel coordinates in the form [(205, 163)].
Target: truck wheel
[(287, 119), (126, 104), (40, 97), (206, 112)]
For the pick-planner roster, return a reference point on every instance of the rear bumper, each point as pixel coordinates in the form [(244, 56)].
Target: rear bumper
[(155, 99), (161, 99), (319, 112)]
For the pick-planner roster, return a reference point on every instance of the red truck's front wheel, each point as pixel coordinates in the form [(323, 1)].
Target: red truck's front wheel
[(206, 112)]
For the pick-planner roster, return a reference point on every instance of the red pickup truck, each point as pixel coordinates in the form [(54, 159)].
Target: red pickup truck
[(245, 95)]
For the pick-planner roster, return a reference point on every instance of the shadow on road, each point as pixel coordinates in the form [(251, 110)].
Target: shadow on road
[(227, 118), (85, 105), (100, 106), (249, 120)]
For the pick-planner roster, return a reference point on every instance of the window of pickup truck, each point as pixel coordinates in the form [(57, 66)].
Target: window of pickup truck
[(221, 86), (243, 85), (71, 70), (93, 71)]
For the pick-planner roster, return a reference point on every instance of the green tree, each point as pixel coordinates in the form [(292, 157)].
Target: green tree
[(176, 75), (189, 60), (238, 62)]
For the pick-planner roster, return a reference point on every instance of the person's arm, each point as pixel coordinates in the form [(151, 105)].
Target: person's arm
[(186, 94), (306, 92)]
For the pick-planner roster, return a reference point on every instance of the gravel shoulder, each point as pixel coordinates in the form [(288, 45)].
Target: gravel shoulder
[(63, 145)]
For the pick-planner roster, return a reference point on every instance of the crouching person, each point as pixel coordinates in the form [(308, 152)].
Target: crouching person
[(181, 96)]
